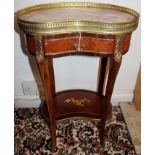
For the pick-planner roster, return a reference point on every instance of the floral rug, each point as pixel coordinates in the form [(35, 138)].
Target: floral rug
[(74, 137)]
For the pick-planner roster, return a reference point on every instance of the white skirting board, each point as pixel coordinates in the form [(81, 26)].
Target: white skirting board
[(34, 101)]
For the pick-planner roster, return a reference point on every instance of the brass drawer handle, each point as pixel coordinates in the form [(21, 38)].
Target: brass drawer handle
[(76, 46), (80, 46), (83, 46)]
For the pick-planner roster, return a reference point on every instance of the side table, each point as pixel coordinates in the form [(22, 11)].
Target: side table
[(77, 28)]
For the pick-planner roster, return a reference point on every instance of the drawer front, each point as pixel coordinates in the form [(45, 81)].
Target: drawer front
[(60, 46), (95, 45), (78, 45)]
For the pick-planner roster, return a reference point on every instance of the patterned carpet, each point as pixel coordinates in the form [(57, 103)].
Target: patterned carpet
[(74, 137)]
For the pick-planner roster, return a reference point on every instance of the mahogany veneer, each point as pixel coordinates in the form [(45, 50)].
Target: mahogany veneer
[(90, 107), (67, 44)]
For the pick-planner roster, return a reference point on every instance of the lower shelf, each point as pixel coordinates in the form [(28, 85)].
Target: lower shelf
[(77, 103)]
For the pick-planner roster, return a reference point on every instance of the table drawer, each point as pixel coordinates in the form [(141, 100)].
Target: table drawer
[(78, 45), (60, 46), (95, 45), (75, 44)]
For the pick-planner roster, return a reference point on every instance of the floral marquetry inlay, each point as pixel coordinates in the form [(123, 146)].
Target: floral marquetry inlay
[(78, 102)]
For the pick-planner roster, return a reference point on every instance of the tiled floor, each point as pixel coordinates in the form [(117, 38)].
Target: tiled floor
[(133, 121)]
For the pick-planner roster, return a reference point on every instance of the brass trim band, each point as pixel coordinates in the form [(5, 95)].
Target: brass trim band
[(74, 26)]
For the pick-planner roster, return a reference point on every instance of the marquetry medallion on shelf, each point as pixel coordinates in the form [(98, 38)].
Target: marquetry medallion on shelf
[(77, 102)]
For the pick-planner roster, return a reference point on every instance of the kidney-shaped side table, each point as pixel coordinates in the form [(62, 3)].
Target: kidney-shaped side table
[(71, 28)]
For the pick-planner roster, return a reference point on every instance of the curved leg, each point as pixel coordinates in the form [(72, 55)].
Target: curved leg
[(45, 66), (101, 80), (115, 63)]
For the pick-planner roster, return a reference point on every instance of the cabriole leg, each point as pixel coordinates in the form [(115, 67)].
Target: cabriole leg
[(115, 63), (45, 66)]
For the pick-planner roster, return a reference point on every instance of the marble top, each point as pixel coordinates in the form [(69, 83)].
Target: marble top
[(78, 14), (68, 17)]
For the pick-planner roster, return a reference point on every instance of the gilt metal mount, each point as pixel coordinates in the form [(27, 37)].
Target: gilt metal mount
[(39, 49), (118, 47)]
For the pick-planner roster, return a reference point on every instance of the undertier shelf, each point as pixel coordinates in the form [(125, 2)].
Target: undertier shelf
[(77, 103)]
